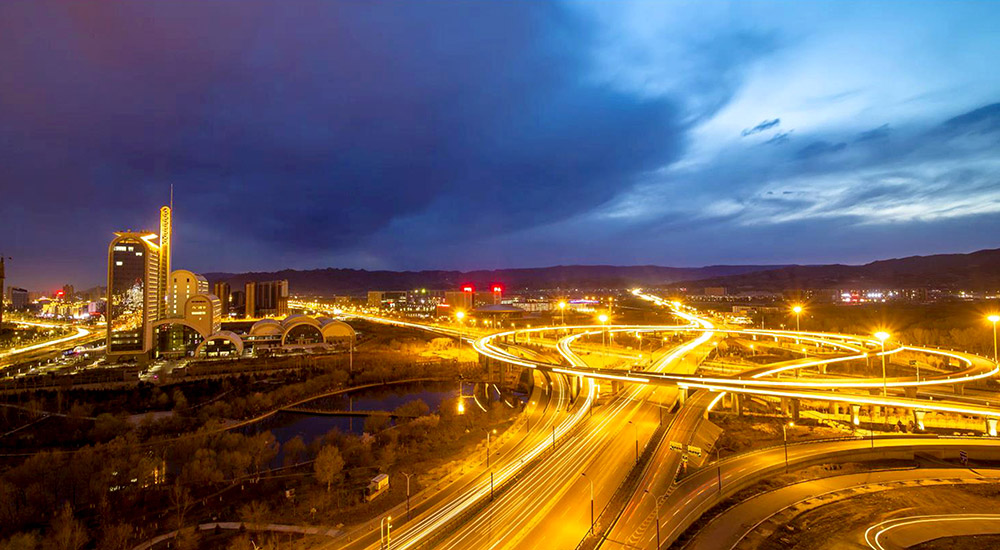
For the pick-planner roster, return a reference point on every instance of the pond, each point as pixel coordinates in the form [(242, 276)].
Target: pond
[(286, 425)]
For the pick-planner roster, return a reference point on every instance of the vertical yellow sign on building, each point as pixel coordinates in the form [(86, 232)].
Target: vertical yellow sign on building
[(164, 274)]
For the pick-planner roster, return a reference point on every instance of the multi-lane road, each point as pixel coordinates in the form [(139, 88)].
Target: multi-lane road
[(547, 488)]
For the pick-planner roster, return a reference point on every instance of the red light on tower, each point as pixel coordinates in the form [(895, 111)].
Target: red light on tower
[(468, 288), (497, 288)]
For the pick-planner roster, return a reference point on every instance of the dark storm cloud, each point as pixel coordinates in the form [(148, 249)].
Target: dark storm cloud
[(766, 125), (312, 127)]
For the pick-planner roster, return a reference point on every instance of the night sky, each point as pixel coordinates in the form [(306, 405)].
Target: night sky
[(413, 135)]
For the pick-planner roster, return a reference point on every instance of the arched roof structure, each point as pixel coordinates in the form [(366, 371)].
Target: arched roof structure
[(335, 329), (267, 327), (178, 321), (222, 335)]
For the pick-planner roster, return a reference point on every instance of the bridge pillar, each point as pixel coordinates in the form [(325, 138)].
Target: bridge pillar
[(794, 408), (911, 392), (991, 427), (737, 404), (918, 419), (834, 408), (784, 406), (959, 388), (682, 395), (856, 414)]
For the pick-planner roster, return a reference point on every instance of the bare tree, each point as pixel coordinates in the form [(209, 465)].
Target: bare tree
[(67, 533), (181, 499), (254, 515), (116, 537)]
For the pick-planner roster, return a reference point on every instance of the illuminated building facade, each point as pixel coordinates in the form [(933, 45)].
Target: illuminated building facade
[(134, 294), (265, 299), (222, 290), (183, 285)]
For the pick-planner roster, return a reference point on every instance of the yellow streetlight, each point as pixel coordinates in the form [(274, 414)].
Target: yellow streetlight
[(882, 337), (994, 318), (797, 309), (784, 433), (603, 318), (562, 311), (460, 315)]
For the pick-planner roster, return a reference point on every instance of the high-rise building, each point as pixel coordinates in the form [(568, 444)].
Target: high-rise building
[(2, 276), (250, 299), (68, 292), (237, 302), (134, 293), (271, 299), (222, 290), (18, 299), (183, 285)]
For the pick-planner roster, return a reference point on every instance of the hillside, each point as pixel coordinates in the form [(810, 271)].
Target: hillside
[(332, 281), (975, 271)]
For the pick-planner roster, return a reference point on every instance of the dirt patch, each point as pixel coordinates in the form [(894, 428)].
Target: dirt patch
[(746, 433), (972, 542), (841, 525)]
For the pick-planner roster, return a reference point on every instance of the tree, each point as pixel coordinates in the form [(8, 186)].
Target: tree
[(107, 427), (187, 539), (21, 541), (262, 448), (376, 422), (116, 537), (180, 402), (415, 408), (328, 466), (294, 449), (67, 533), (254, 515), (181, 499)]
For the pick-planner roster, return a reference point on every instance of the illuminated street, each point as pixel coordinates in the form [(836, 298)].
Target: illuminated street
[(481, 274)]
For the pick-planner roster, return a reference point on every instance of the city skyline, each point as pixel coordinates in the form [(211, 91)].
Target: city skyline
[(796, 134)]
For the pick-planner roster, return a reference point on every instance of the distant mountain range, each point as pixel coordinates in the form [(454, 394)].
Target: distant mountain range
[(332, 281), (976, 271)]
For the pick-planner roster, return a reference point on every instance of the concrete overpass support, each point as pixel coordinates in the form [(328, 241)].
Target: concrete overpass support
[(784, 406), (794, 406), (959, 388), (856, 414), (911, 392), (918, 419), (991, 427)]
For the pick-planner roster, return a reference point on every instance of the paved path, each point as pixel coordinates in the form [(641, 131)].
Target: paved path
[(902, 533), (729, 529), (235, 526)]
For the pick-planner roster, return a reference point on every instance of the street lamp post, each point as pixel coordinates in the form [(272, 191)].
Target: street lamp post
[(994, 319), (383, 534), (784, 433), (603, 318), (798, 312), (488, 432), (656, 503), (562, 312), (407, 495), (882, 337), (584, 474)]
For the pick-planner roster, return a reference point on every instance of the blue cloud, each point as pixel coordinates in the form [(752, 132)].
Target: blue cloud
[(766, 125)]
